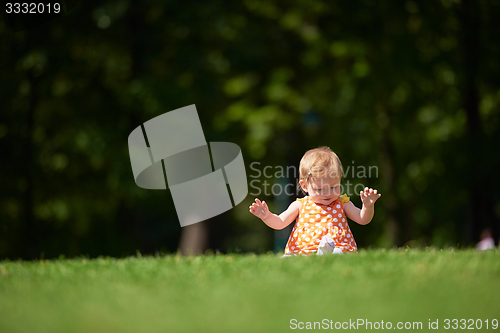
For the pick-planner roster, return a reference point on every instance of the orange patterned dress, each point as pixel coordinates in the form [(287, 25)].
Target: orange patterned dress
[(314, 222)]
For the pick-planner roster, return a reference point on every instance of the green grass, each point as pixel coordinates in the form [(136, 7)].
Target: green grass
[(247, 293)]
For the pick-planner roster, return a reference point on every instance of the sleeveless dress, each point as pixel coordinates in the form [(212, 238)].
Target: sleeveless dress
[(314, 222)]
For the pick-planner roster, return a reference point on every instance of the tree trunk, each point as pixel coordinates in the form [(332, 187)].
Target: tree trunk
[(481, 209), (30, 241), (194, 239), (388, 172)]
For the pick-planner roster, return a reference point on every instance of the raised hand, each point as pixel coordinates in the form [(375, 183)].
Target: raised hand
[(369, 196), (260, 209)]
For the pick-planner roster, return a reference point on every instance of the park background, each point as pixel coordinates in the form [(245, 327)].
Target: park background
[(410, 87)]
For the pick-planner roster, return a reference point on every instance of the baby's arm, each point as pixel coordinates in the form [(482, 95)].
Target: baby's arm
[(274, 221), (365, 214)]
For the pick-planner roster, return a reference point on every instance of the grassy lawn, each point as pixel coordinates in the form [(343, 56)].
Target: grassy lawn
[(248, 293)]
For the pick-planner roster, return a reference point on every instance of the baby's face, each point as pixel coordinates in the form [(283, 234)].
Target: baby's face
[(322, 190)]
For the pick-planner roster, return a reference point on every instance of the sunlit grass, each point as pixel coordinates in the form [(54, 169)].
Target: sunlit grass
[(246, 293)]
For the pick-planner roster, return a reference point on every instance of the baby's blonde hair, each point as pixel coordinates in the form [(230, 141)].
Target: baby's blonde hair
[(318, 163)]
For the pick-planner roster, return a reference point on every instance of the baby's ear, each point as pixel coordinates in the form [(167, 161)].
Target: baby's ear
[(303, 185)]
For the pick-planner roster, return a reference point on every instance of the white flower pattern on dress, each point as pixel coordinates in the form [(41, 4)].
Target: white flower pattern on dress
[(305, 240)]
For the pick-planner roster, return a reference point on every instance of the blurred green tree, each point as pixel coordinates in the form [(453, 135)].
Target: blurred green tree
[(410, 88)]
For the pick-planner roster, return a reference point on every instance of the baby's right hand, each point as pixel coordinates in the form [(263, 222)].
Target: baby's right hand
[(260, 209)]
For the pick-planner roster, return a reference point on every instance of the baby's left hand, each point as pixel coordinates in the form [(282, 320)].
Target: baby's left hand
[(369, 196)]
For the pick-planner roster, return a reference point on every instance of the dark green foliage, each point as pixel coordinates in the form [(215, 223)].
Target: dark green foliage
[(409, 87)]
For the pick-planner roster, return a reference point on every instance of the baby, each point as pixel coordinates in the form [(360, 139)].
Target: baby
[(321, 225)]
